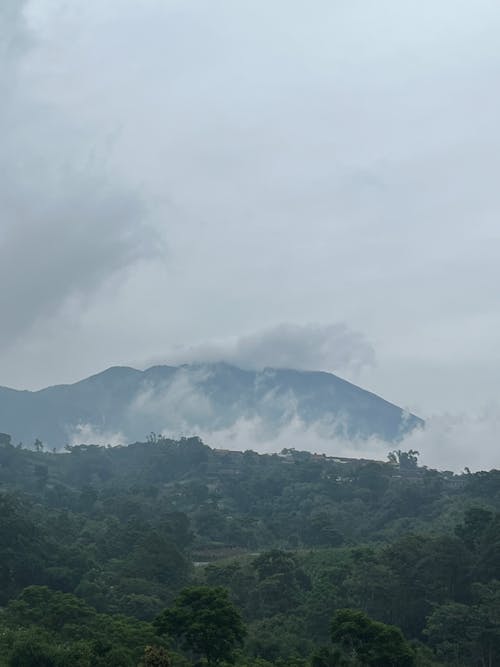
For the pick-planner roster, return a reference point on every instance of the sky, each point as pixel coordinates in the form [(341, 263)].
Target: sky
[(282, 183)]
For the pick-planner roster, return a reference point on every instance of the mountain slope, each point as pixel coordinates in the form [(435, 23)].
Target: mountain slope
[(125, 403)]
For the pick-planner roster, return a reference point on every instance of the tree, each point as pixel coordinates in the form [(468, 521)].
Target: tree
[(327, 657), (468, 634), (280, 581), (41, 473), (371, 643), (476, 521), (456, 633), (50, 610), (5, 440), (155, 656), (405, 460), (31, 651), (205, 622)]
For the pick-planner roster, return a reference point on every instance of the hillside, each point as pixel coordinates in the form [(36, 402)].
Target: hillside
[(98, 542), (123, 404)]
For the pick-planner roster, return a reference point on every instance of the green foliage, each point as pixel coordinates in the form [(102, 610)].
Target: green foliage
[(369, 642), (96, 542), (50, 610), (59, 627), (155, 656), (331, 657), (29, 651), (205, 621), (476, 520), (468, 634)]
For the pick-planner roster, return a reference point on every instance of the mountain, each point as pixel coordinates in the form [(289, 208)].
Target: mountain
[(125, 404)]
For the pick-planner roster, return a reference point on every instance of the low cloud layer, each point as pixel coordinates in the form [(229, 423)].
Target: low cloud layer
[(448, 442), (328, 347), (87, 434), (180, 403), (183, 407), (456, 441)]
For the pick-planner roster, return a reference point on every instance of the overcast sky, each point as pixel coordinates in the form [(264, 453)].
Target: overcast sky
[(311, 182)]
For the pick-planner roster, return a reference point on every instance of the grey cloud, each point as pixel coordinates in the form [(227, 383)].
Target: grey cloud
[(65, 246), (66, 224), (13, 32), (448, 442), (336, 160), (254, 434), (454, 441), (86, 433), (180, 403), (329, 347)]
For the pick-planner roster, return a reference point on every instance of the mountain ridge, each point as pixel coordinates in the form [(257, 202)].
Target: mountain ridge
[(205, 397)]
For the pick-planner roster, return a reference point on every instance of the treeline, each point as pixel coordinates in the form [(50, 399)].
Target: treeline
[(44, 628), (243, 500), (96, 543)]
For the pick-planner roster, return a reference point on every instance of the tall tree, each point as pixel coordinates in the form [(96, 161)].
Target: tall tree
[(205, 622), (370, 643)]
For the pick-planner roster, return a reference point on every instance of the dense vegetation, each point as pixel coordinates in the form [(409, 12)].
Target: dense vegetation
[(169, 551)]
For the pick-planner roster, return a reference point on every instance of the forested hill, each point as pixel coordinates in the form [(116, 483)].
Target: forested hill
[(241, 500), (128, 556), (125, 403)]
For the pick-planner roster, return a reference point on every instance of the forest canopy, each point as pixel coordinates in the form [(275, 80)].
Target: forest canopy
[(172, 551)]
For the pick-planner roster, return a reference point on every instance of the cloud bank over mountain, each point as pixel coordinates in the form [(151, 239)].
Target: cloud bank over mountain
[(334, 168), (445, 442), (199, 399), (329, 347)]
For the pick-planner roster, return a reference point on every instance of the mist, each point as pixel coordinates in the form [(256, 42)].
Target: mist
[(183, 407), (270, 186), (329, 347)]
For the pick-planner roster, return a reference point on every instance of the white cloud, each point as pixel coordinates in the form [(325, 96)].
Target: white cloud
[(448, 442), (90, 434), (329, 347), (184, 407), (180, 403), (256, 435), (454, 442)]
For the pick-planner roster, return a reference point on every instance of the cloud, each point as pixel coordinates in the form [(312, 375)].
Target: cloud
[(89, 434), (338, 164), (329, 347), (180, 403), (185, 405), (255, 434), (447, 442), (13, 34), (456, 441), (67, 225)]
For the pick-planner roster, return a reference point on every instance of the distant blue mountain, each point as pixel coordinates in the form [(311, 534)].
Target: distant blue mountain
[(196, 398)]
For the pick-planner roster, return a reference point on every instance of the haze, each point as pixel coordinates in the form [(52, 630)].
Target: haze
[(204, 180)]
